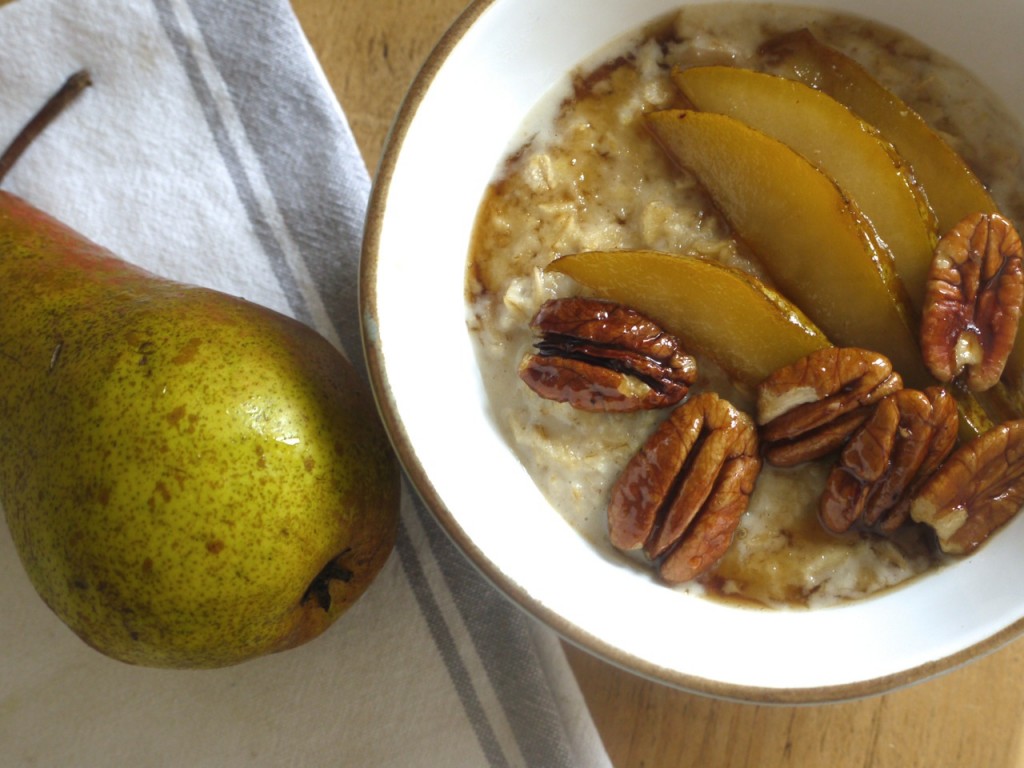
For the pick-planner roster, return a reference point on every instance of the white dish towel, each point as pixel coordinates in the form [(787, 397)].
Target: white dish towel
[(211, 150)]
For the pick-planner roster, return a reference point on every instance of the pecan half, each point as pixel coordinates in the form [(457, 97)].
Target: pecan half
[(601, 356), (809, 409), (906, 437), (972, 301), (681, 497), (976, 491)]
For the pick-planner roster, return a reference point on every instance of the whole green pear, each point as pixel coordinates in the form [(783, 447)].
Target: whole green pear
[(190, 479)]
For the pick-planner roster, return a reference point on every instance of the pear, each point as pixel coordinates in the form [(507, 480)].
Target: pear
[(190, 479)]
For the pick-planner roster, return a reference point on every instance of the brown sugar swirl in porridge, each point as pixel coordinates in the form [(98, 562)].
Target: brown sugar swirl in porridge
[(725, 381)]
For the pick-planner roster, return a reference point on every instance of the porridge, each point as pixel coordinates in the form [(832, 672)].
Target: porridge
[(592, 178)]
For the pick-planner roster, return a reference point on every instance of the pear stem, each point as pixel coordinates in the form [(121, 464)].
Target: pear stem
[(68, 92)]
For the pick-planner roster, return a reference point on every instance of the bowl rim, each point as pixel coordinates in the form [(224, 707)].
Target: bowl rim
[(428, 493)]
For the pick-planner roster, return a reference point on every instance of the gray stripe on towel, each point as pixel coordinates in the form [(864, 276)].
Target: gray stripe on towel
[(232, 162), (307, 152), (528, 701), (447, 647)]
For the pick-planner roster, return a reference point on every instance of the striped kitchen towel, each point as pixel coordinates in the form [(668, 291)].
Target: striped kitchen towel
[(211, 150)]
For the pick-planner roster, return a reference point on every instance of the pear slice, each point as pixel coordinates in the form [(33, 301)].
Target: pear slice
[(952, 189), (811, 239), (719, 312), (841, 145)]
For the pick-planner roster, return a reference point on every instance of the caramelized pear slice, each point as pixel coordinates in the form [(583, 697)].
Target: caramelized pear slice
[(841, 145), (718, 312), (812, 240), (952, 189)]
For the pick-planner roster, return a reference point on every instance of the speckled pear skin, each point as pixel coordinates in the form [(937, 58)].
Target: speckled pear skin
[(177, 466)]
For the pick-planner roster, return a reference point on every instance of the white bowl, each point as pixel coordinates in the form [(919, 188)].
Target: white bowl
[(458, 121)]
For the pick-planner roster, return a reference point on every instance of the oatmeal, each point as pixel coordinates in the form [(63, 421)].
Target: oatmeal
[(592, 178)]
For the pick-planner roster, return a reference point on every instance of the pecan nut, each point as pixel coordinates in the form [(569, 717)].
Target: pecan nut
[(810, 408), (972, 301), (681, 497), (976, 491), (600, 356), (906, 438)]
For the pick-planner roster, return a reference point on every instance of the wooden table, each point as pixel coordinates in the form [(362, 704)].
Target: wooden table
[(970, 718)]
